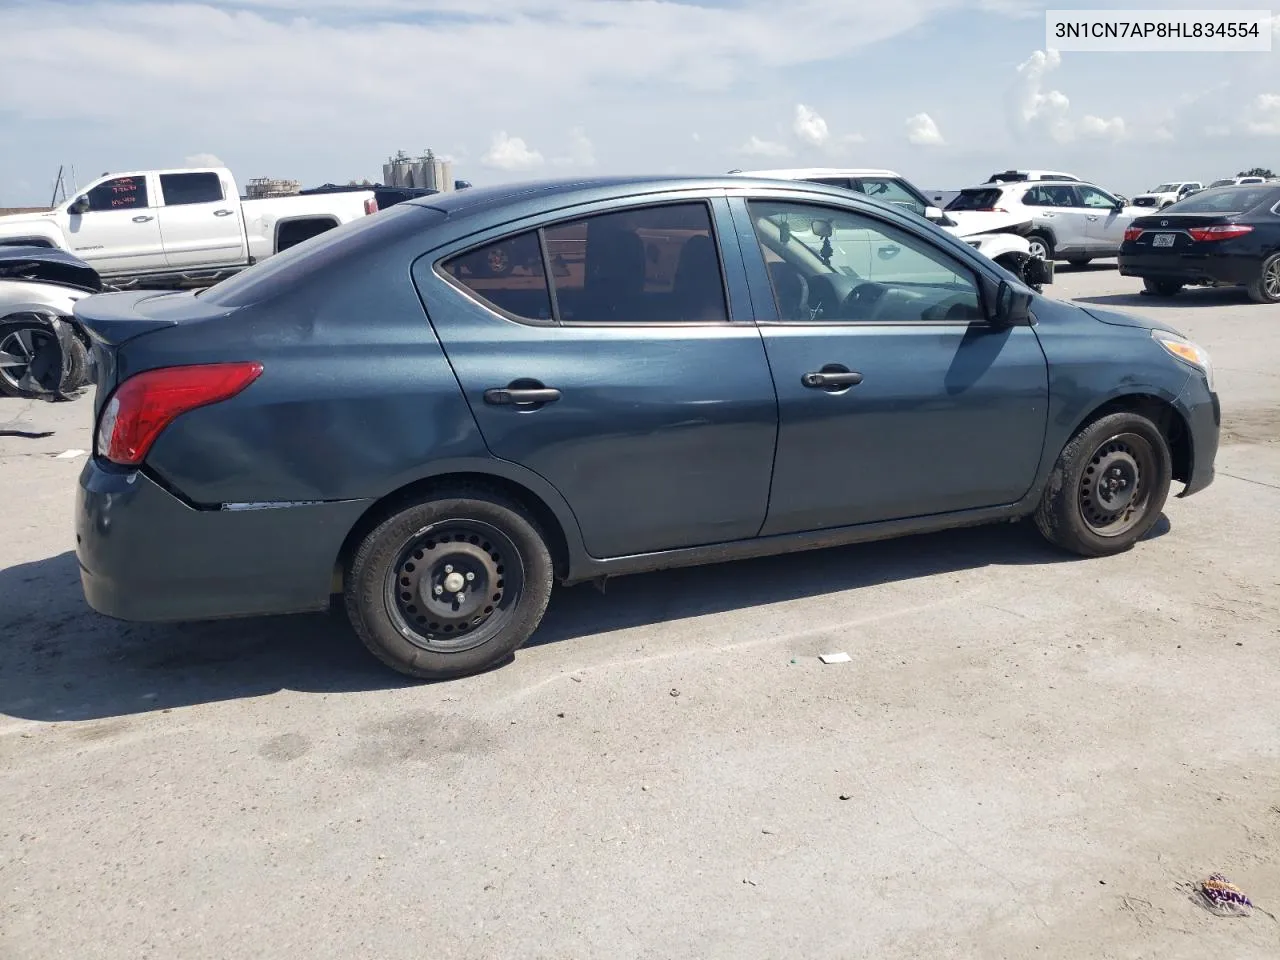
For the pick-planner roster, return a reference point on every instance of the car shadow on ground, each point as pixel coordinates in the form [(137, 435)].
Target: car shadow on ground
[(1093, 266), (60, 661), (1188, 297)]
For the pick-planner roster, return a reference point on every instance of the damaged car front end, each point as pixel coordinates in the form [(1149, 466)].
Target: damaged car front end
[(44, 354)]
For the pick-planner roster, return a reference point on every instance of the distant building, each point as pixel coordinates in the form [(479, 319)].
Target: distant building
[(262, 187)]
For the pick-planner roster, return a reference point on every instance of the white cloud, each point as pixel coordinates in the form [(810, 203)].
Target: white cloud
[(1041, 112), (755, 147), (510, 154), (1265, 116), (582, 152), (697, 137), (202, 160), (1096, 128), (923, 131), (809, 126)]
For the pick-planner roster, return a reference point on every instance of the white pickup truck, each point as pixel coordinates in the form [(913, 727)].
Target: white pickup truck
[(178, 227)]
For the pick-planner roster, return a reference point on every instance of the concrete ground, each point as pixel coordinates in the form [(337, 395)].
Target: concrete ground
[(1028, 755)]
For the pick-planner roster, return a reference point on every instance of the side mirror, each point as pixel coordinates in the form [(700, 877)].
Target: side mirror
[(933, 213), (1012, 308), (79, 205)]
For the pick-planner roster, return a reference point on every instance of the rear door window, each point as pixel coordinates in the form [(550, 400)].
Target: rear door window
[(1050, 196), (648, 265), (182, 188), (121, 193)]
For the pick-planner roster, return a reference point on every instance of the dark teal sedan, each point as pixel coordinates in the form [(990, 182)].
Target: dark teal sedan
[(439, 410)]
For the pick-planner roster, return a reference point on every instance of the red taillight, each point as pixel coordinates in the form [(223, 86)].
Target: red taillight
[(1132, 233), (145, 404), (1225, 232), (371, 205)]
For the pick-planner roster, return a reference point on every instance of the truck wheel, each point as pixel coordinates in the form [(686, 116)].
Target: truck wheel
[(1108, 487), (1041, 245), (1161, 288), (1016, 263), (1266, 289), (451, 585)]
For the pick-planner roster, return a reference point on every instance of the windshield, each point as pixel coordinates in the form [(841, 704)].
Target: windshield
[(977, 199), (1230, 200), (1222, 183), (1165, 188)]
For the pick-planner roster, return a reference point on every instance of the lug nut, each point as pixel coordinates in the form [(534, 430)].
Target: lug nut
[(471, 576), (448, 568), (461, 597), (439, 589)]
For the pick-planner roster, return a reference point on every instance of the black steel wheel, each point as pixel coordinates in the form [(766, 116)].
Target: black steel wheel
[(1266, 289), (1018, 264), (454, 585), (1113, 487), (449, 585), (1108, 487)]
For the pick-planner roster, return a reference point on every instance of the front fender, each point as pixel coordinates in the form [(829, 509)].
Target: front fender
[(20, 296), (23, 232)]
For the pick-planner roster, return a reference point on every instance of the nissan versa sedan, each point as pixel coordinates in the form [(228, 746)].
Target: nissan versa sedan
[(673, 372), (1222, 237)]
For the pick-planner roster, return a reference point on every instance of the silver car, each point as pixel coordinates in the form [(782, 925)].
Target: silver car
[(1071, 221)]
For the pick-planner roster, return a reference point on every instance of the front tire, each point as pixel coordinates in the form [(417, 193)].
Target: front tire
[(449, 586), (1107, 489), (1266, 289), (1162, 288), (1016, 263)]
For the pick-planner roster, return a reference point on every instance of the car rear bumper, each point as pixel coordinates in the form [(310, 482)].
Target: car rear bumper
[(1199, 269), (1200, 407), (145, 555)]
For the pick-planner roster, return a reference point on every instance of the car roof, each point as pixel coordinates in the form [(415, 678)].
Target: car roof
[(803, 173), (477, 200)]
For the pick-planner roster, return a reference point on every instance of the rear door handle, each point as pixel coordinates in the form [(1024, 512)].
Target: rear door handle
[(831, 379), (223, 213), (141, 219), (516, 396)]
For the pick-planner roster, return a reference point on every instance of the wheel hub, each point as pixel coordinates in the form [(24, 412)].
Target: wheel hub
[(1112, 488), (449, 583)]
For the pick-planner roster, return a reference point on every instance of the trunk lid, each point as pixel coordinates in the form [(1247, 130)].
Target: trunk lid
[(115, 319)]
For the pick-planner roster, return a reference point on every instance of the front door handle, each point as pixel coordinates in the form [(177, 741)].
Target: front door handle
[(832, 377), (890, 250), (223, 213), (141, 219), (520, 396)]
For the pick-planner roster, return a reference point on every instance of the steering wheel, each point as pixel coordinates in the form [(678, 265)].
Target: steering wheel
[(862, 300)]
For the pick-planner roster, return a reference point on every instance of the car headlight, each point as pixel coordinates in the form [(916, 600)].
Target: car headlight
[(1186, 351)]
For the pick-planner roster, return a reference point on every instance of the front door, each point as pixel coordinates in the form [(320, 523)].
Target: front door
[(119, 233), (200, 226), (600, 353), (899, 401), (1104, 223)]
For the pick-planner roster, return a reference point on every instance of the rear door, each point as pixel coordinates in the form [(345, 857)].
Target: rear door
[(200, 224), (613, 353), (119, 233), (897, 402)]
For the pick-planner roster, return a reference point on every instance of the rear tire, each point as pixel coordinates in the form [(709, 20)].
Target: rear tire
[(1162, 288), (1107, 488), (1266, 289), (449, 586), (75, 370)]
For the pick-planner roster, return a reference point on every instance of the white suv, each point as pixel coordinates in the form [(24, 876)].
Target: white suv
[(1071, 221)]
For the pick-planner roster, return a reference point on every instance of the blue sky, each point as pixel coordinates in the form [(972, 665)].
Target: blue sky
[(943, 91)]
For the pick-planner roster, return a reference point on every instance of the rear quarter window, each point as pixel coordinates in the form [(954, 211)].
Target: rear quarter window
[(976, 200)]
